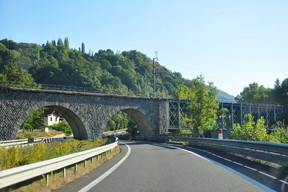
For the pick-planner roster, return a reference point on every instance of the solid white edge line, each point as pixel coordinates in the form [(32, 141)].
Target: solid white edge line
[(107, 173), (254, 182)]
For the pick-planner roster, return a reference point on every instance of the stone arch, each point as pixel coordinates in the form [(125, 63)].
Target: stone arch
[(75, 121), (145, 125)]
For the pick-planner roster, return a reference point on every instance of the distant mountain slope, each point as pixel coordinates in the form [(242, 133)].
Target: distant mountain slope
[(126, 72), (225, 97)]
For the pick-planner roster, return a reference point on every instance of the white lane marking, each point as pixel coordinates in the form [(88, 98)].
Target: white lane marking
[(107, 173), (260, 185)]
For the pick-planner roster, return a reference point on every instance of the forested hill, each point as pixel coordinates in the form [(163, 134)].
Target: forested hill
[(55, 63)]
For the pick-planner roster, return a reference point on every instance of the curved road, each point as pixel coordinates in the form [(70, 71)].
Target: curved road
[(160, 167)]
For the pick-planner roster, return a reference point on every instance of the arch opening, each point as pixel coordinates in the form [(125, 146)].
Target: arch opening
[(57, 114), (136, 122)]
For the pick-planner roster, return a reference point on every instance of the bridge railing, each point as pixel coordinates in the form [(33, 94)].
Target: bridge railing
[(76, 89), (271, 152), (16, 175)]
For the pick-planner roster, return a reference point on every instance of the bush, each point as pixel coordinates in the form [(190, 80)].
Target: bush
[(250, 130), (280, 132), (64, 127)]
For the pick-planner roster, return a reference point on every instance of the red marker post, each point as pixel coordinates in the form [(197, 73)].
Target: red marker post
[(220, 133)]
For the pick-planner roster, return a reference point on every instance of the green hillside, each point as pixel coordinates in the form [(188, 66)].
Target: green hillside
[(55, 63), (225, 97)]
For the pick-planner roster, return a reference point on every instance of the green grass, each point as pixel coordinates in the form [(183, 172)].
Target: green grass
[(56, 178), (37, 133), (16, 156)]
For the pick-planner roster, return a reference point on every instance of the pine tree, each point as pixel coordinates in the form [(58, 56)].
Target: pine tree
[(54, 43), (83, 47), (60, 42), (66, 43)]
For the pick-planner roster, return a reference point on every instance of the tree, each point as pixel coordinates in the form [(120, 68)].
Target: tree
[(55, 63), (66, 43), (83, 47), (54, 43), (284, 91), (13, 75), (202, 108), (60, 42), (255, 94), (276, 93), (119, 121), (283, 97), (34, 121)]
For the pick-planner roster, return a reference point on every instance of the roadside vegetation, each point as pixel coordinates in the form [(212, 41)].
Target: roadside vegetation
[(56, 179), (257, 131), (63, 127), (37, 133), (17, 156), (201, 112)]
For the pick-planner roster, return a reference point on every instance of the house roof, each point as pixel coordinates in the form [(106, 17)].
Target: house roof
[(48, 112)]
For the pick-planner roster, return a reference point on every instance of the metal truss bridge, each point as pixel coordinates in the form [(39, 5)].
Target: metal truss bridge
[(234, 113)]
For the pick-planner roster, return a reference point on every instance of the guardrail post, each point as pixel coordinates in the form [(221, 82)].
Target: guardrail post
[(76, 167), (64, 172), (47, 179), (85, 163)]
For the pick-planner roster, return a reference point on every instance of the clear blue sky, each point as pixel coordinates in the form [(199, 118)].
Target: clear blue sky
[(230, 42)]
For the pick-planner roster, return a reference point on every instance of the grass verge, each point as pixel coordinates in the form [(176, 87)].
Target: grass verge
[(37, 133), (57, 179), (18, 156)]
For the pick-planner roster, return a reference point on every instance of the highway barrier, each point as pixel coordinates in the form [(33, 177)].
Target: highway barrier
[(34, 141), (16, 175), (271, 152)]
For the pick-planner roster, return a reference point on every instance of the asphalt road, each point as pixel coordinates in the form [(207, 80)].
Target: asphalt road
[(161, 167)]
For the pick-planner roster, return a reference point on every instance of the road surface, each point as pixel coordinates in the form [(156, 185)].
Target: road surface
[(160, 167)]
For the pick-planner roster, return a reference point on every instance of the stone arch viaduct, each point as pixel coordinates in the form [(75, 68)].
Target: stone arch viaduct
[(87, 113)]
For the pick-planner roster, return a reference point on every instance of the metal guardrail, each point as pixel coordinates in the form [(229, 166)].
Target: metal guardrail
[(8, 142), (25, 142), (19, 142), (271, 152), (16, 175), (116, 132)]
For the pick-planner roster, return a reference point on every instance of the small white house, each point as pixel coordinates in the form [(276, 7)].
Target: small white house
[(50, 117)]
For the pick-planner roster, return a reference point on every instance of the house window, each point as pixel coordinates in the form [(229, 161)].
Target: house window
[(50, 118)]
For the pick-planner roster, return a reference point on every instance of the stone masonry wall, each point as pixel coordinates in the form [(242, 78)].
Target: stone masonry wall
[(86, 113)]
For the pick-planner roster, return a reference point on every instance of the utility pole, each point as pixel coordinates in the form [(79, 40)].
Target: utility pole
[(155, 59)]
